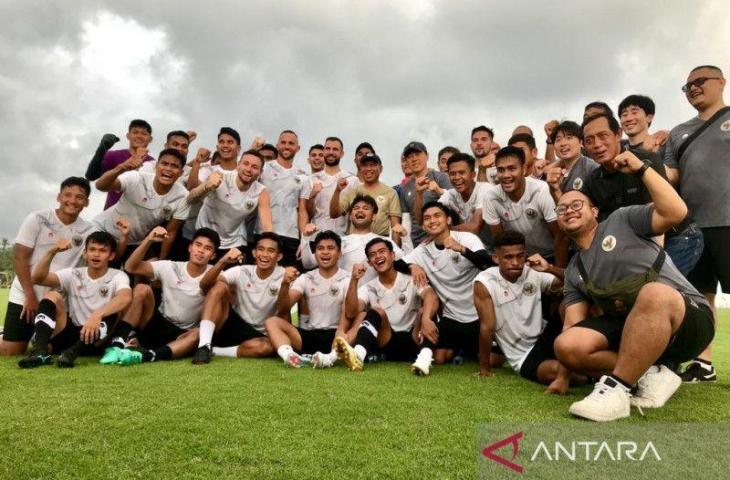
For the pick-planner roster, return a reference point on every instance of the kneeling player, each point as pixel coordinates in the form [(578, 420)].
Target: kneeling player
[(171, 330), (239, 331), (508, 299), (324, 290), (398, 315), (79, 319)]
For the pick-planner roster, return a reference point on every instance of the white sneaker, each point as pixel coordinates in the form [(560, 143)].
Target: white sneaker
[(655, 387), (422, 366), (607, 402), (323, 360)]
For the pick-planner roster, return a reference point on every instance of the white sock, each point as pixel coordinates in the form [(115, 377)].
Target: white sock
[(360, 352), (207, 329), (284, 351), (231, 352), (333, 356), (426, 353)]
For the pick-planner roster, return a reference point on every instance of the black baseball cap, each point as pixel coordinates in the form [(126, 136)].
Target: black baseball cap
[(414, 147), (371, 157)]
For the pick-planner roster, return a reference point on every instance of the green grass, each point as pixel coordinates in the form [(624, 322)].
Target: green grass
[(257, 419)]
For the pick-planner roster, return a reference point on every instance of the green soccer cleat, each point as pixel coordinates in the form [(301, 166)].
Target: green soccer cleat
[(35, 359), (129, 357), (111, 356)]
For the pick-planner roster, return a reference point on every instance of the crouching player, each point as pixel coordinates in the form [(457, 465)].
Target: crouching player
[(80, 318), (508, 299), (398, 315), (324, 289), (170, 330), (236, 328)]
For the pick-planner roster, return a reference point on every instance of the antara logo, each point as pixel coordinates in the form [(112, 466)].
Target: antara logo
[(513, 440)]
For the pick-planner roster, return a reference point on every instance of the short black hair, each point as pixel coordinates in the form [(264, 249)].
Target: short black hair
[(334, 139), (289, 131), (365, 145), (316, 146), (510, 151), (448, 149), (327, 235), (174, 153), (713, 67), (376, 241), (482, 128), (178, 133), (230, 131), (102, 238), (138, 122), (270, 236), (462, 157), (80, 182), (602, 105), (567, 127), (528, 139), (210, 234), (362, 198), (642, 101), (269, 147), (508, 237), (254, 153), (612, 122), (436, 204)]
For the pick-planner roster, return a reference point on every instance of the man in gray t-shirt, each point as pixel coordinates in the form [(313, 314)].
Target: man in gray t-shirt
[(701, 174), (650, 314)]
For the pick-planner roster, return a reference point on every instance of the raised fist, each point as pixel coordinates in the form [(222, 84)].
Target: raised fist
[(257, 143), (550, 127), (213, 181), (309, 229), (358, 270), (341, 184), (290, 274), (123, 226), (232, 256), (538, 263), (62, 244), (157, 234), (202, 156), (422, 184)]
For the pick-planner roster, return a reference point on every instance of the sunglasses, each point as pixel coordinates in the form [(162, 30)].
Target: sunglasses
[(697, 82)]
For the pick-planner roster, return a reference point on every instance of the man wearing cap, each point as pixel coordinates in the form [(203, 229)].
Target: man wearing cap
[(425, 185), (387, 220)]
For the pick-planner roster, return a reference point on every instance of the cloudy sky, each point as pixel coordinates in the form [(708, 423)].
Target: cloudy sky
[(386, 72)]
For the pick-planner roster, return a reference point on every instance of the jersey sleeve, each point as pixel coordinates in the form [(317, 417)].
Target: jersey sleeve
[(471, 241), (489, 211), (127, 179), (638, 218), (573, 288), (547, 204), (308, 260), (394, 208), (160, 268), (669, 152), (121, 282), (546, 280), (306, 187), (182, 209), (231, 275), (65, 276), (300, 284), (363, 296), (29, 230)]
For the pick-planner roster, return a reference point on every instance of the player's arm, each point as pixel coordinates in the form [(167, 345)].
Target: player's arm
[(480, 257), (353, 304), (110, 180), (421, 187), (202, 190), (233, 255), (539, 264), (21, 266), (560, 244), (487, 325), (549, 147), (426, 326), (495, 229), (172, 228), (41, 273), (316, 188), (136, 264), (473, 225), (287, 297), (336, 209), (672, 175), (302, 214), (201, 157), (264, 212), (90, 330)]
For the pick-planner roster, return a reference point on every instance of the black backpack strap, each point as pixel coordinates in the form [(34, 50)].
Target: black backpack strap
[(581, 268), (685, 145), (659, 262)]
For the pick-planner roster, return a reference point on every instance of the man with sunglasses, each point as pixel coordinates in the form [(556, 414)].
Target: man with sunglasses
[(650, 314), (701, 171)]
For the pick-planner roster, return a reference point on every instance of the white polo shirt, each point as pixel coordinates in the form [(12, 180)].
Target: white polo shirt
[(400, 302), (324, 297), (182, 298), (255, 297), (85, 295), (321, 216)]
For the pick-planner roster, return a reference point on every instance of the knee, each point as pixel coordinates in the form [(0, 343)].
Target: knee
[(55, 297), (141, 291), (273, 323), (570, 350), (656, 296)]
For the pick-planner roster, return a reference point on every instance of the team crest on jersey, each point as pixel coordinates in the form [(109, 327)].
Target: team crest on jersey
[(455, 257), (166, 210), (144, 199), (608, 243), (531, 213), (577, 183), (297, 179), (76, 240), (725, 127), (380, 199), (249, 204), (402, 299), (50, 234), (529, 288), (104, 291), (334, 291), (273, 291)]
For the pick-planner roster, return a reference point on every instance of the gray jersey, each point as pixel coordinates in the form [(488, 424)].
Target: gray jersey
[(407, 194), (623, 247), (704, 180), (577, 175)]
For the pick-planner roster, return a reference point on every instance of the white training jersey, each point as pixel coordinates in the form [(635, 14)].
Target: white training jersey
[(143, 207), (465, 209), (401, 302), (255, 297), (324, 297), (85, 295), (451, 275), (226, 209), (182, 298), (39, 231), (517, 310), (286, 186), (529, 215), (321, 217)]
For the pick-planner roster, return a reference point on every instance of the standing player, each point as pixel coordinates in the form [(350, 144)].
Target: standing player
[(38, 233), (481, 146), (316, 158), (79, 315), (572, 167), (398, 316), (324, 290)]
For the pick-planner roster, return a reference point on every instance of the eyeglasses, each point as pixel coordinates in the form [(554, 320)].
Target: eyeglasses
[(697, 82), (575, 205)]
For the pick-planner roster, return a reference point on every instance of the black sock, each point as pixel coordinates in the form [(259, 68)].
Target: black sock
[(163, 353), (42, 330), (120, 333), (367, 334), (621, 381), (426, 343)]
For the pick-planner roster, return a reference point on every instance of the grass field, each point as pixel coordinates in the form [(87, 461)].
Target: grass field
[(257, 419)]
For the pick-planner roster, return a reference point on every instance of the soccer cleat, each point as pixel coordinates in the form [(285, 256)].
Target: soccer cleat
[(202, 355), (129, 357), (35, 359), (322, 360), (297, 361), (111, 356), (655, 387), (422, 366), (696, 373), (67, 358), (347, 354), (607, 402)]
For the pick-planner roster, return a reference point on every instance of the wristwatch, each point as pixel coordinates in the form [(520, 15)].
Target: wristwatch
[(640, 172)]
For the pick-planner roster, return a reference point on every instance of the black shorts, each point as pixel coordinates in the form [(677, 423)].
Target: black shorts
[(714, 263), (71, 334), (179, 251), (290, 246), (159, 331), (16, 329), (235, 331), (541, 351), (153, 252), (318, 340), (401, 348), (692, 337), (457, 336)]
